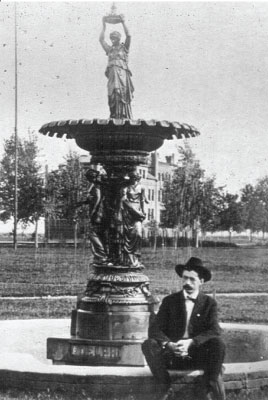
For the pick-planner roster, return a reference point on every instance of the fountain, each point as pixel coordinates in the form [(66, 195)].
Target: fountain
[(111, 319)]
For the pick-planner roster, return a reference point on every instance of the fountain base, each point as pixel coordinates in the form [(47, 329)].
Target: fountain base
[(75, 351)]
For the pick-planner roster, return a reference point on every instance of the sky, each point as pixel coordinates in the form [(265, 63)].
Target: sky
[(201, 63)]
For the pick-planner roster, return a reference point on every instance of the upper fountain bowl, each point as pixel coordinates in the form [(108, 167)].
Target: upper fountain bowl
[(107, 138)]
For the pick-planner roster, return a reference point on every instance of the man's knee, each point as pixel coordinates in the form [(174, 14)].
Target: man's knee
[(150, 346), (217, 343), (216, 347)]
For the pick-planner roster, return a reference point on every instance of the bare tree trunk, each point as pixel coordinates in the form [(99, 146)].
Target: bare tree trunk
[(36, 234), (75, 235), (196, 238), (155, 240)]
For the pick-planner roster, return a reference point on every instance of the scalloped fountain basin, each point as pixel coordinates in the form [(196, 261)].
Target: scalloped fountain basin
[(116, 134), (23, 364)]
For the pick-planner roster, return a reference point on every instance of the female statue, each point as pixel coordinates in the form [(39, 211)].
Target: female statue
[(120, 87), (97, 219), (132, 214)]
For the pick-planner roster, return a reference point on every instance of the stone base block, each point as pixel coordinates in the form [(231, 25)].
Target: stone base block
[(75, 351)]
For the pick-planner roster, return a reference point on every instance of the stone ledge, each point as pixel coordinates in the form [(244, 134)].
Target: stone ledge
[(22, 371)]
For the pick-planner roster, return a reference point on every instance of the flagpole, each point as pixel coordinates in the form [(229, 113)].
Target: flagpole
[(16, 136)]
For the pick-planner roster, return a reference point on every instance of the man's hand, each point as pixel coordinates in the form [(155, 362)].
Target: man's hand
[(184, 344), (181, 347)]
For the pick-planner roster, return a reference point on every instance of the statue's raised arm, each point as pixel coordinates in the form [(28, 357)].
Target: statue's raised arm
[(104, 44), (120, 87), (126, 30)]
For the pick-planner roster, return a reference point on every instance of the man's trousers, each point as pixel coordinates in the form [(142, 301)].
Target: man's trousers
[(208, 356)]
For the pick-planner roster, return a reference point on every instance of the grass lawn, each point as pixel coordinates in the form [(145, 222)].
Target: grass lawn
[(64, 271), (14, 394), (233, 269), (27, 272)]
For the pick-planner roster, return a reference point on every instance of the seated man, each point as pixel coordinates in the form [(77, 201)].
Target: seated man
[(185, 334)]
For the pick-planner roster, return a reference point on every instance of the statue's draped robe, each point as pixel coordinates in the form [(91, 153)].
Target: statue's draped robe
[(97, 224), (120, 87), (132, 216)]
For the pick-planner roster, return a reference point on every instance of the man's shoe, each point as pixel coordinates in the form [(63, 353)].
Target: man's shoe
[(216, 388)]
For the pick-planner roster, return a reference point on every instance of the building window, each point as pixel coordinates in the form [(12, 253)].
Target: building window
[(149, 194), (152, 194), (159, 194), (163, 177), (159, 176), (143, 173), (150, 214)]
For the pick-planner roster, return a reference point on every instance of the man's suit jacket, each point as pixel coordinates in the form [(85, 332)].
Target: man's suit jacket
[(169, 323)]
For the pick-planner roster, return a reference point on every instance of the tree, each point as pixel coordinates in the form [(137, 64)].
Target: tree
[(255, 215), (66, 187), (181, 194), (211, 203), (190, 199), (30, 182), (230, 217), (262, 196)]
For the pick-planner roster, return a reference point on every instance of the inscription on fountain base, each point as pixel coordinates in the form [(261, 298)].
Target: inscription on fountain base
[(71, 351)]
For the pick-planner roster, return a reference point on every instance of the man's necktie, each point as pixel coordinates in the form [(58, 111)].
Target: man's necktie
[(191, 298)]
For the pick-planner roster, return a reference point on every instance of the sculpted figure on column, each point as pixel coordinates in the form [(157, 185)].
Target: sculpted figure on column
[(133, 214), (97, 216), (120, 87)]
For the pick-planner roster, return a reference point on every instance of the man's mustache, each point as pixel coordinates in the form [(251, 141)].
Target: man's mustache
[(187, 287)]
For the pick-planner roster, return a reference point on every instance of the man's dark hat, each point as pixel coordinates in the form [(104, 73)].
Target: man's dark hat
[(194, 264)]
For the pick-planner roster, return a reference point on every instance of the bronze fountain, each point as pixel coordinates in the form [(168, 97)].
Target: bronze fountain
[(112, 316)]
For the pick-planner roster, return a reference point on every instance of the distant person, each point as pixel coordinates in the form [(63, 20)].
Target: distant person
[(120, 87), (185, 334)]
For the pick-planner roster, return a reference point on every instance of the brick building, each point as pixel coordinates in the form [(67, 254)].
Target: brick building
[(153, 177)]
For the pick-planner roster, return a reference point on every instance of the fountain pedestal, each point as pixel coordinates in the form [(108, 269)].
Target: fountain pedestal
[(110, 321)]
